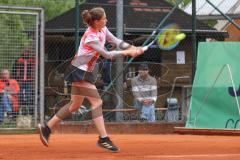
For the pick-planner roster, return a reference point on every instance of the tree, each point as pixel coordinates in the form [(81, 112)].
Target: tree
[(16, 31), (53, 8), (182, 5), (13, 38)]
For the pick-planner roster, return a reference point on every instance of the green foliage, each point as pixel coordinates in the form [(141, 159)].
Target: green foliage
[(52, 8), (211, 23), (13, 38), (17, 31), (183, 4)]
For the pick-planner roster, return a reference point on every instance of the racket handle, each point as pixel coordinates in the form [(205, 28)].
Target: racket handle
[(145, 48)]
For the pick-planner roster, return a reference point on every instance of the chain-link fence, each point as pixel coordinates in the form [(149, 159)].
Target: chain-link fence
[(60, 46), (19, 82), (173, 69)]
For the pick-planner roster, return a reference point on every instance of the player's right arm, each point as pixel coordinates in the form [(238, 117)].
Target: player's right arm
[(114, 54)]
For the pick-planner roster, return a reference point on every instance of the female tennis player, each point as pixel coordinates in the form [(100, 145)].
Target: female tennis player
[(79, 73)]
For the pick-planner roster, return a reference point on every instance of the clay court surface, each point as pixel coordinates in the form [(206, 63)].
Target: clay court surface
[(133, 147)]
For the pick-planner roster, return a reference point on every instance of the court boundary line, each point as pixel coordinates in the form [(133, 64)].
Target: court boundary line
[(191, 155)]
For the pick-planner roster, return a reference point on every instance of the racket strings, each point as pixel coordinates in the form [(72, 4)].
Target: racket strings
[(166, 37)]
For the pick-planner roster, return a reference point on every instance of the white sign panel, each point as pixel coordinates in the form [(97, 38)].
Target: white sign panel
[(180, 57)]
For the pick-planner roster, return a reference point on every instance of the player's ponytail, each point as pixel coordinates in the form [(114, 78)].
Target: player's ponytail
[(87, 19), (89, 16)]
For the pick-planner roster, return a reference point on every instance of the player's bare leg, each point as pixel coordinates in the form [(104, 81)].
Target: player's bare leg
[(104, 141), (65, 111)]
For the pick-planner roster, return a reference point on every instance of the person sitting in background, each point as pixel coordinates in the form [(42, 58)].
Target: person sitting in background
[(9, 90), (144, 88)]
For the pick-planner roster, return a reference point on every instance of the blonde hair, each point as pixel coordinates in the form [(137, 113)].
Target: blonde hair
[(89, 16), (4, 70)]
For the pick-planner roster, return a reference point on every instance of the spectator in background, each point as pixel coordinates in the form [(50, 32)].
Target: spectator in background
[(9, 90), (24, 73), (144, 88)]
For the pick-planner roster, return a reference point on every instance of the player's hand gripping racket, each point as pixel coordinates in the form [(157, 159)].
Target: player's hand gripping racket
[(167, 38)]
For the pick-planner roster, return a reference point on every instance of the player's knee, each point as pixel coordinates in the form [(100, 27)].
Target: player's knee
[(74, 106), (72, 110), (100, 102), (97, 109), (97, 104)]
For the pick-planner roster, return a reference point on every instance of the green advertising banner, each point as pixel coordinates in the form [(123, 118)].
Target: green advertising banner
[(215, 102)]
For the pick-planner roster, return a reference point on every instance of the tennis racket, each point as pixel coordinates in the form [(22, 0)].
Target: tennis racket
[(167, 38)]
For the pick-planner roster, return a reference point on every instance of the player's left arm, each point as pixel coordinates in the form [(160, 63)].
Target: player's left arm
[(120, 44)]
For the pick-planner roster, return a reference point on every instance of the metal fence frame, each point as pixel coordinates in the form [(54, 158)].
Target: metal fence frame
[(39, 50)]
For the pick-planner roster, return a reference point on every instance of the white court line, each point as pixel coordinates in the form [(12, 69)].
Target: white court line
[(193, 155)]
